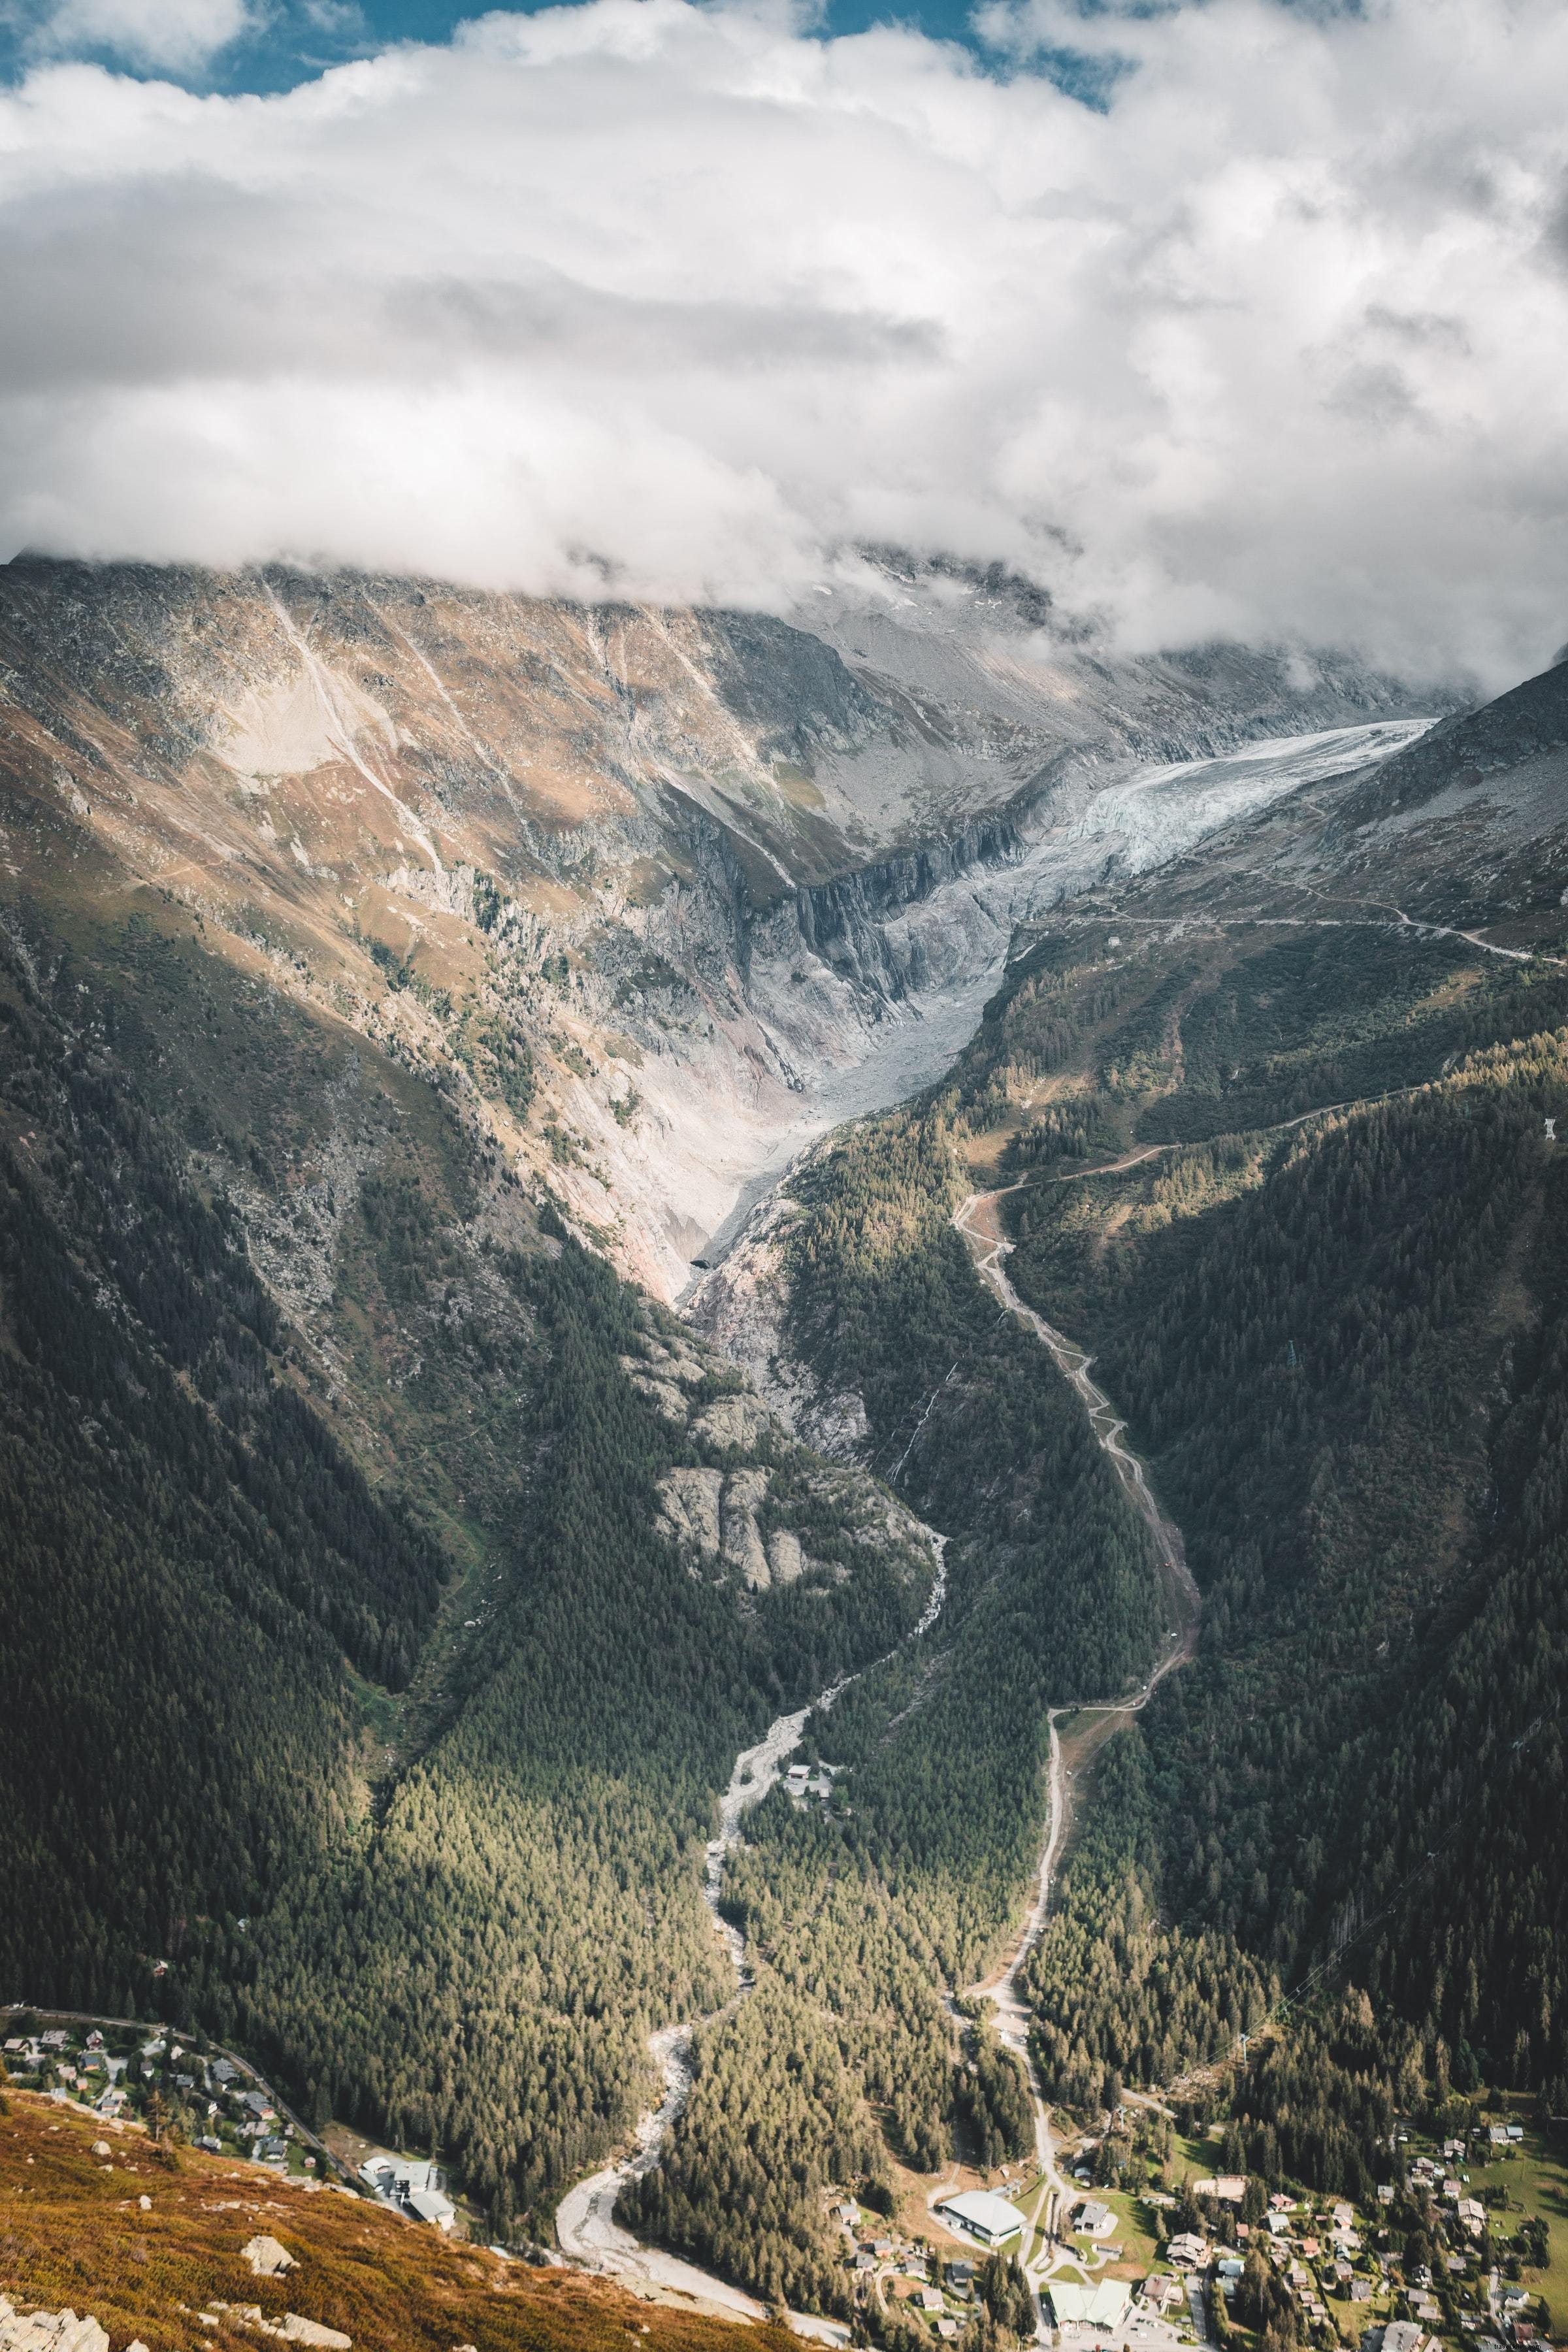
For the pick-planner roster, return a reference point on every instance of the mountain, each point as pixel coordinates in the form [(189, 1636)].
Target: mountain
[(652, 895), (401, 990)]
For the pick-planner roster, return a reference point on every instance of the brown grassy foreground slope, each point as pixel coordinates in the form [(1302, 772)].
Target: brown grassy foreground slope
[(72, 2230)]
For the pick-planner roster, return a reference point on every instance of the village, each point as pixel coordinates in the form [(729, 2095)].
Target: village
[(1130, 2236), (1460, 2249), (178, 2084)]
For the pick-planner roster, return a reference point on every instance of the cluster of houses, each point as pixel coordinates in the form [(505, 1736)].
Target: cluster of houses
[(235, 2113), (914, 2276), (80, 2066)]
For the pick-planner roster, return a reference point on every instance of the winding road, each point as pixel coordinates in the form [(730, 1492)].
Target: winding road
[(978, 1220), (585, 2222)]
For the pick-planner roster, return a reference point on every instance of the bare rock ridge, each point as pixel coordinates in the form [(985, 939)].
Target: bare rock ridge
[(766, 1512), (655, 896)]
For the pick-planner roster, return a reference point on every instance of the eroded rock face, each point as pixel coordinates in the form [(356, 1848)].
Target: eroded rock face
[(732, 1521), (691, 1500), (650, 893), (745, 1492)]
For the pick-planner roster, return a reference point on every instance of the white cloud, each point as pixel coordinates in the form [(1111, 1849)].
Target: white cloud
[(169, 35), (678, 301)]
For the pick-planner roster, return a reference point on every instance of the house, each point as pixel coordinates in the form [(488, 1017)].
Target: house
[(980, 2215), (1361, 2290), (928, 2298), (1344, 2217), (262, 2109), (224, 2072), (947, 2328), (1473, 2214), (1496, 2133), (1189, 2252), (53, 2039), (1094, 2221), (1515, 2134), (1279, 2225)]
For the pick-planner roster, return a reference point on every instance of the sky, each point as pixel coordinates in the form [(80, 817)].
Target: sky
[(1230, 318)]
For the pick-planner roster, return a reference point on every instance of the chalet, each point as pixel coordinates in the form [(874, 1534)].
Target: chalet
[(1094, 2221), (1188, 2251), (1160, 2294)]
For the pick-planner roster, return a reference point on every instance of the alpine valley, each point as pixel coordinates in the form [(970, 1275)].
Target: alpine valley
[(784, 1429)]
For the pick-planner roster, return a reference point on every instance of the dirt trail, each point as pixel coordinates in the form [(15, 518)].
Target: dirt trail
[(979, 1221)]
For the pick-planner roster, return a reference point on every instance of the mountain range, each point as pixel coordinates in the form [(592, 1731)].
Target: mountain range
[(486, 1088)]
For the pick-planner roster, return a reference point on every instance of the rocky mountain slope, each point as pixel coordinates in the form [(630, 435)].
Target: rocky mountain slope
[(653, 895), (143, 2240)]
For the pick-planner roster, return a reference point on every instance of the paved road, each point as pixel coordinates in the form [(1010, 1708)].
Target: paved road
[(978, 1220)]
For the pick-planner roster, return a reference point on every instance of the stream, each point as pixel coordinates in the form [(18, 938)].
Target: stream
[(585, 2222)]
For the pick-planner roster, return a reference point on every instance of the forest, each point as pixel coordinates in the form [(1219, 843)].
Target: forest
[(356, 1707)]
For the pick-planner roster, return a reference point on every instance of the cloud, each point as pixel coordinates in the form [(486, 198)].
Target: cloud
[(681, 302), (167, 36)]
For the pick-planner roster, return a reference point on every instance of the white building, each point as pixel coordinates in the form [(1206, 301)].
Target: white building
[(980, 2215)]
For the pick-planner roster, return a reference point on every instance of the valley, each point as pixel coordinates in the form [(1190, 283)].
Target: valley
[(549, 1156)]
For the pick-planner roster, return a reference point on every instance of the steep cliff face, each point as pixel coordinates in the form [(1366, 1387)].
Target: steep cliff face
[(655, 895)]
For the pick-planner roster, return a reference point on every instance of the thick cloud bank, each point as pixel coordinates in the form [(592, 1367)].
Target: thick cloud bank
[(644, 299)]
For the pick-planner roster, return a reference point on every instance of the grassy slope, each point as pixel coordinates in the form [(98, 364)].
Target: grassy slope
[(72, 2232)]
